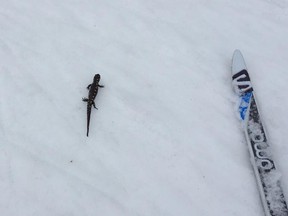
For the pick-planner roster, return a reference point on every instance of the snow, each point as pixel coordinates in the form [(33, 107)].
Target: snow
[(274, 193), (165, 140)]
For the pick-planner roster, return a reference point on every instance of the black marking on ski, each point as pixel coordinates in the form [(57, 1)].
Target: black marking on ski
[(242, 81)]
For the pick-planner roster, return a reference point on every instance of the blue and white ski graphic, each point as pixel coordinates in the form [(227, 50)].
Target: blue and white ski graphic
[(268, 178)]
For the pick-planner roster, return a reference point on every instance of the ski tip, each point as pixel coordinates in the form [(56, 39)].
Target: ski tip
[(237, 51), (241, 80), (238, 63), (237, 54)]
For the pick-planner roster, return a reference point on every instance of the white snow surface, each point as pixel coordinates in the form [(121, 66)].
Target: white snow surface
[(166, 140)]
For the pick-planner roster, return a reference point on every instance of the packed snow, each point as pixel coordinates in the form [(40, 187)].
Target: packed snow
[(165, 140)]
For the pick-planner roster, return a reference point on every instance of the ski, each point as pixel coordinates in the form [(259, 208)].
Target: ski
[(267, 176)]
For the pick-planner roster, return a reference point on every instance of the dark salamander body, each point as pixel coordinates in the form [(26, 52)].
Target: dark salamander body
[(93, 90)]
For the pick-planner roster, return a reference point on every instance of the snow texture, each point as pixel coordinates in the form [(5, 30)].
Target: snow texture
[(274, 192), (165, 140)]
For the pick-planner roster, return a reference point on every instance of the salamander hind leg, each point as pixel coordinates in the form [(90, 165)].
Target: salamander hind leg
[(94, 105)]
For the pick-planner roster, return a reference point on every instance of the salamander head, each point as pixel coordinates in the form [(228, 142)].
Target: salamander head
[(97, 78)]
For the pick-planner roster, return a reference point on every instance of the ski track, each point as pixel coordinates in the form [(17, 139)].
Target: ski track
[(166, 139)]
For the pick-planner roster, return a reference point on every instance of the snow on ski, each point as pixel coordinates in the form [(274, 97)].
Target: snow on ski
[(268, 178)]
